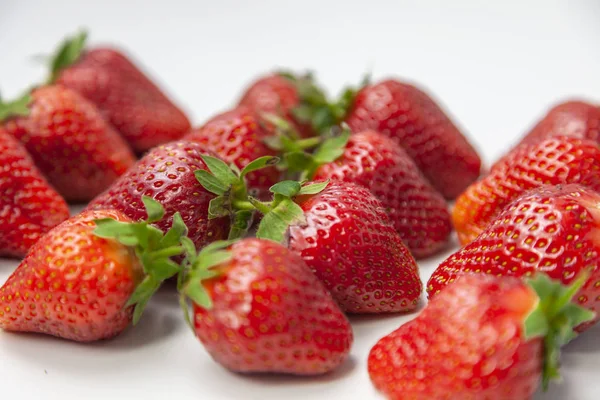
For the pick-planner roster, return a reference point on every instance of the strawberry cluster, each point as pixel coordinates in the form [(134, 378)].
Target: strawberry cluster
[(282, 215)]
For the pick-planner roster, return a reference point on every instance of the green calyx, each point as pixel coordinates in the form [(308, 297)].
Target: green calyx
[(315, 108), (153, 248), (282, 211), (15, 108), (67, 54), (328, 151), (229, 184), (197, 268), (554, 319)]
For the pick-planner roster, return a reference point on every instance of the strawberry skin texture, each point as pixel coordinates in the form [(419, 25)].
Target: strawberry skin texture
[(468, 343), (72, 284), (236, 136), (166, 174), (551, 162), (29, 206), (418, 212), (271, 314), (134, 105), (78, 152), (575, 119), (351, 246), (274, 94), (549, 229), (414, 121)]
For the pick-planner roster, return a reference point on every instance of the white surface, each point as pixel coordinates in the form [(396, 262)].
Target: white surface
[(497, 67)]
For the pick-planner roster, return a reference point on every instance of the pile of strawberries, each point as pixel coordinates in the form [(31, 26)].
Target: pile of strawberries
[(278, 217)]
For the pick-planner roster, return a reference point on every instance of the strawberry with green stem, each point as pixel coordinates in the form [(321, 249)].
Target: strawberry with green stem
[(125, 96), (372, 160), (258, 308), (68, 139), (92, 275), (551, 229), (484, 337), (228, 183), (287, 96)]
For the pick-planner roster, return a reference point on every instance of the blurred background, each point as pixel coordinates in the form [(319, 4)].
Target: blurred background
[(495, 66)]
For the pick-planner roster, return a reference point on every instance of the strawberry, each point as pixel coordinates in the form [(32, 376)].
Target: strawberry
[(280, 94), (484, 337), (69, 141), (549, 229), (29, 206), (127, 98), (551, 162), (348, 241), (89, 276), (414, 121), (167, 174), (237, 137), (573, 118), (372, 160), (258, 308)]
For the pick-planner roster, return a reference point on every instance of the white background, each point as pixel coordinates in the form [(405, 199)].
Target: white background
[(496, 67)]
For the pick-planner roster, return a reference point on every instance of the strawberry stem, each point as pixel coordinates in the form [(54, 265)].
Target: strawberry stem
[(555, 318), (67, 54)]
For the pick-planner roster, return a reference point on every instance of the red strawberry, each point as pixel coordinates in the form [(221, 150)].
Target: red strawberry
[(81, 284), (238, 137), (573, 118), (482, 338), (79, 153), (351, 246), (261, 309), (167, 174), (29, 206), (412, 119), (417, 211), (277, 94), (550, 229), (552, 162), (132, 103)]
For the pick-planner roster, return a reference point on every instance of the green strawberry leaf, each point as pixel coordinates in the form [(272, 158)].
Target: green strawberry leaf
[(220, 170), (211, 182), (299, 161), (275, 223), (176, 233), (259, 163), (332, 149), (314, 188), (16, 108), (218, 207), (154, 209), (67, 54), (286, 188)]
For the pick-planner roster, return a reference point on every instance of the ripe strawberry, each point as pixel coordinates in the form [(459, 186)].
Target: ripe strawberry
[(348, 241), (279, 94), (551, 162), (167, 174), (132, 103), (238, 137), (550, 229), (484, 337), (79, 153), (412, 119), (29, 206), (81, 284), (573, 118), (418, 212), (259, 308)]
